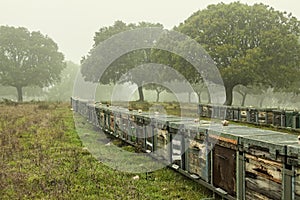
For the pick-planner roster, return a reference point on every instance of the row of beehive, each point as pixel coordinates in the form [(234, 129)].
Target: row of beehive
[(241, 162), (267, 116)]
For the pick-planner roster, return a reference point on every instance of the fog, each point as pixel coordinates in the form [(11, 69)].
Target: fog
[(72, 24)]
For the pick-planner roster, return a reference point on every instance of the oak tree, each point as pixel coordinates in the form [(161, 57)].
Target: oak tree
[(90, 65), (249, 44), (28, 59)]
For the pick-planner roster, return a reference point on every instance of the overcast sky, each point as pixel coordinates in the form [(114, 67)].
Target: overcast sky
[(72, 23)]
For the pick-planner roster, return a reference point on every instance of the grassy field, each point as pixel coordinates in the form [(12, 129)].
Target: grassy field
[(42, 157)]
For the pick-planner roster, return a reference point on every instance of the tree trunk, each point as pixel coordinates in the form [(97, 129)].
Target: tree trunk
[(199, 97), (190, 97), (209, 97), (243, 99), (229, 95), (261, 102), (141, 94), (157, 95), (20, 93)]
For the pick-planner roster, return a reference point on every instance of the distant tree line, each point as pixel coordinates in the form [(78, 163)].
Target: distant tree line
[(254, 47)]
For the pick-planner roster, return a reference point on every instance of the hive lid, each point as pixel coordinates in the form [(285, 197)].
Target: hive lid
[(166, 119), (236, 131), (273, 142), (272, 137), (180, 123), (293, 149)]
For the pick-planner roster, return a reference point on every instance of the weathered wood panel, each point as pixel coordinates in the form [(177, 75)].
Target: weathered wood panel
[(263, 178), (262, 117), (107, 120), (197, 159), (118, 124), (140, 133), (124, 126), (224, 169), (112, 122), (149, 138), (269, 117), (243, 115), (132, 130), (177, 149), (101, 119), (162, 142)]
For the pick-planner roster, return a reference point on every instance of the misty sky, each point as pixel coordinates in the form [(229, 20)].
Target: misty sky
[(72, 23)]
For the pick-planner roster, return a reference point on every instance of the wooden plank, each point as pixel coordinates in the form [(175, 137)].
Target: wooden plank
[(254, 195), (263, 178), (224, 169), (102, 119), (223, 139), (111, 125), (197, 159), (262, 160), (162, 141)]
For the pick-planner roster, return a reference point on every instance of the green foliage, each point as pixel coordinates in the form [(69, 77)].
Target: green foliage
[(249, 44), (123, 64), (28, 59)]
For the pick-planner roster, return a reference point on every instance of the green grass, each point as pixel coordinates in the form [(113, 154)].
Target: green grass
[(42, 157)]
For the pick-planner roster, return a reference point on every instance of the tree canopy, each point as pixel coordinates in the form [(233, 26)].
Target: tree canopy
[(28, 59), (121, 65), (249, 44)]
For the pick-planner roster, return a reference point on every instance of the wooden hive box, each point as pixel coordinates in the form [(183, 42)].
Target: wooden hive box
[(124, 124), (150, 140), (90, 108), (82, 107), (162, 135), (265, 157), (278, 118), (100, 115), (242, 114), (141, 127), (106, 112), (74, 103), (219, 111), (231, 113), (132, 137), (293, 154), (198, 156), (252, 115), (226, 147), (205, 110), (178, 139), (118, 122), (112, 124)]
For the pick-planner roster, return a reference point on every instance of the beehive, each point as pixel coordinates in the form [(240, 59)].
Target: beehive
[(264, 166), (198, 155), (293, 159)]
